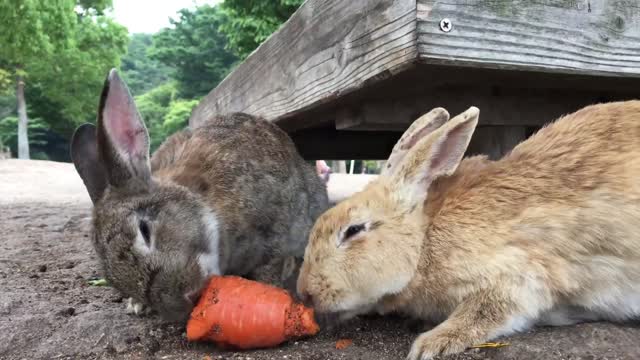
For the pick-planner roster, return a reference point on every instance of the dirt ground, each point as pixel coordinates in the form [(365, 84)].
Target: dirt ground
[(48, 310)]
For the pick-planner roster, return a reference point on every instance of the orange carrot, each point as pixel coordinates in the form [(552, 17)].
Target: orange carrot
[(247, 314)]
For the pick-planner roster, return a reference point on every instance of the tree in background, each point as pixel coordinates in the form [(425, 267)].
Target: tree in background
[(195, 49), (164, 113), (202, 47), (250, 22), (31, 31), (141, 72), (178, 115), (63, 48), (72, 82), (37, 132), (153, 107)]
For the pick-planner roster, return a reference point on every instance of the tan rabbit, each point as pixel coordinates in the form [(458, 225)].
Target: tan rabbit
[(231, 197), (550, 234)]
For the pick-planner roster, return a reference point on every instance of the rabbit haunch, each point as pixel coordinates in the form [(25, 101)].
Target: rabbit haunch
[(549, 234), (230, 197)]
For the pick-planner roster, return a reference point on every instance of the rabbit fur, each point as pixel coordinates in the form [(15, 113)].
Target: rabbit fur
[(547, 235), (230, 197)]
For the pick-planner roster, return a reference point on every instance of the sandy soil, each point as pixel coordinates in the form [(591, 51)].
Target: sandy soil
[(49, 311)]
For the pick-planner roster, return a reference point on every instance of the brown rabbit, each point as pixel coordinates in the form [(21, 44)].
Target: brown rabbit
[(230, 197), (549, 234)]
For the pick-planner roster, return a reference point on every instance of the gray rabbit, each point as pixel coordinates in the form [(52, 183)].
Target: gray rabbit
[(230, 197)]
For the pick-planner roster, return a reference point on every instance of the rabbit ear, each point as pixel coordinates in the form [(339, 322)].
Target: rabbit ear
[(425, 125), (434, 156), (123, 140), (84, 153)]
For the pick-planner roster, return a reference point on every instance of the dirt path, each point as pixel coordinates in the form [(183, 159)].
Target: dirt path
[(48, 310)]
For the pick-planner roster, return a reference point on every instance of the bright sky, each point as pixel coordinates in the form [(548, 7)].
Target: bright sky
[(149, 16)]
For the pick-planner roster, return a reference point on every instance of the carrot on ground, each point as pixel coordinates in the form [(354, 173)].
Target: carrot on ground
[(246, 314)]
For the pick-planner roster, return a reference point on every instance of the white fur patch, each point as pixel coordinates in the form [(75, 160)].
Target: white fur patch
[(210, 261), (614, 291), (615, 303), (134, 307), (567, 315), (514, 324), (533, 297), (140, 245)]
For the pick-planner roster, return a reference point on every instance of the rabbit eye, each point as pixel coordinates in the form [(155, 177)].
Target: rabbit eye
[(353, 230), (144, 230)]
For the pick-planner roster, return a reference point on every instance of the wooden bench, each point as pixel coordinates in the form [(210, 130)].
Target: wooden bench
[(346, 77)]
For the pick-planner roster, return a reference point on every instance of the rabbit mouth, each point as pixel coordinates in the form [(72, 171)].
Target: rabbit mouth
[(332, 320), (329, 320)]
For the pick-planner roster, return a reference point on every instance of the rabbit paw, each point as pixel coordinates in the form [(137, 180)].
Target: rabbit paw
[(136, 308), (431, 344)]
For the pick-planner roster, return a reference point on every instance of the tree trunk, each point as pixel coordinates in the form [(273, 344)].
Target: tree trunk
[(23, 121), (342, 166)]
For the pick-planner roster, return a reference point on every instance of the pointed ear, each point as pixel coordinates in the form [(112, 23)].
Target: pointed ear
[(84, 154), (436, 155), (123, 140), (425, 125)]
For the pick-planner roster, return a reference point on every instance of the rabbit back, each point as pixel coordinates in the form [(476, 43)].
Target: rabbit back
[(562, 207), (249, 172)]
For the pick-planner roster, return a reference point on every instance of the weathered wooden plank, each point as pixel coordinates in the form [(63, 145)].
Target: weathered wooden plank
[(505, 98), (329, 144), (512, 107), (592, 37), (327, 49)]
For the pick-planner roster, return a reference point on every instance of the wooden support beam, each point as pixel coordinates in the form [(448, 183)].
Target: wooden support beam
[(329, 144), (513, 107)]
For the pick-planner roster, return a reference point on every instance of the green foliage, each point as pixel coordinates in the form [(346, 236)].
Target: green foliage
[(372, 166), (140, 71), (71, 82), (250, 22), (93, 7), (5, 81), (64, 49), (195, 49), (9, 133), (153, 107), (33, 29), (7, 105), (178, 115)]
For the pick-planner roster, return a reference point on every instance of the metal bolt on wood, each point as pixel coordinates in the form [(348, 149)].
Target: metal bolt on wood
[(446, 25)]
